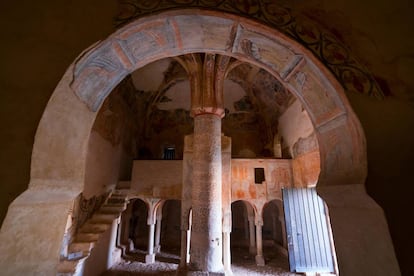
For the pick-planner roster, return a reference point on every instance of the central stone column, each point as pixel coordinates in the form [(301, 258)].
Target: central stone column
[(206, 235), (206, 73)]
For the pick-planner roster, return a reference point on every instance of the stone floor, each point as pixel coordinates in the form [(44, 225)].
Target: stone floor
[(167, 264)]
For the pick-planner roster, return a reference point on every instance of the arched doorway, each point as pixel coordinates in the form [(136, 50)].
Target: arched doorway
[(138, 228), (274, 234), (59, 153), (170, 232), (133, 230), (242, 232), (273, 224)]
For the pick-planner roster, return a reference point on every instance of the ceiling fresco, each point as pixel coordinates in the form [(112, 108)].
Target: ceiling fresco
[(324, 43), (159, 96)]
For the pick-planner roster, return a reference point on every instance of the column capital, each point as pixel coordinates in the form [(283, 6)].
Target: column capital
[(206, 73), (258, 222)]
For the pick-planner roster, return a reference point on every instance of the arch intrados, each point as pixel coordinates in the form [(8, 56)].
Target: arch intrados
[(278, 203), (98, 70), (251, 208), (135, 199), (163, 202)]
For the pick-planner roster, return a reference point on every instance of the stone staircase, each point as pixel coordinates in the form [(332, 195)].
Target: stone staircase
[(89, 234)]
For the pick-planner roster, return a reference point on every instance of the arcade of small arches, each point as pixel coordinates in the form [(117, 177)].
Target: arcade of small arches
[(142, 216)]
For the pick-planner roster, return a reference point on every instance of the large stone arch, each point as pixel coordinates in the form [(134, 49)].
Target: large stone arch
[(60, 148), (99, 69), (340, 136)]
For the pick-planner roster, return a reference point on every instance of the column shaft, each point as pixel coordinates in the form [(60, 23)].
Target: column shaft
[(259, 243), (187, 248), (226, 253), (252, 240), (157, 246), (206, 236), (150, 257)]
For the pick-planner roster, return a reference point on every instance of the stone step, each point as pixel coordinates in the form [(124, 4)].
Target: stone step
[(102, 218), (94, 227), (64, 274), (66, 267), (69, 267), (84, 247), (122, 190), (116, 200), (120, 193), (87, 237), (112, 208)]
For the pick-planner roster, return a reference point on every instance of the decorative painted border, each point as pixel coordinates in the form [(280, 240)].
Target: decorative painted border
[(352, 75)]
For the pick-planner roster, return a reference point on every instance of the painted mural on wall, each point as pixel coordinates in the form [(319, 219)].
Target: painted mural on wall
[(114, 121), (161, 119), (278, 175), (353, 76), (87, 207)]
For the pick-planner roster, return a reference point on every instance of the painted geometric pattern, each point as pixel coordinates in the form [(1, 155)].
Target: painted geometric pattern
[(336, 56)]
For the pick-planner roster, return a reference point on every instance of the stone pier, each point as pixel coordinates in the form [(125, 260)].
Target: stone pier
[(206, 234), (206, 73)]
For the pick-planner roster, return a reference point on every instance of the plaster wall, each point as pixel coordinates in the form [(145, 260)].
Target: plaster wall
[(294, 124), (25, 213), (104, 254), (368, 245), (34, 43), (102, 167), (389, 126), (306, 169), (157, 178), (163, 178), (278, 174)]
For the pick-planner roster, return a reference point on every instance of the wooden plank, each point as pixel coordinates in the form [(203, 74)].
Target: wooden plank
[(307, 231), (289, 231), (319, 236), (316, 249), (310, 237), (303, 232)]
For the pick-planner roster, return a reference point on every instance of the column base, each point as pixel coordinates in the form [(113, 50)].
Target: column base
[(150, 258), (228, 272), (157, 249), (205, 273), (259, 260), (183, 271)]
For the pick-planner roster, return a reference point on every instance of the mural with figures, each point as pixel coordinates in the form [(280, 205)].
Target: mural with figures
[(352, 74)]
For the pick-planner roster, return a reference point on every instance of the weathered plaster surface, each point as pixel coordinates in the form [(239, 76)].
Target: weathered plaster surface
[(311, 83), (378, 33), (278, 174), (342, 161), (362, 240), (157, 178), (294, 124), (28, 225), (104, 254)]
